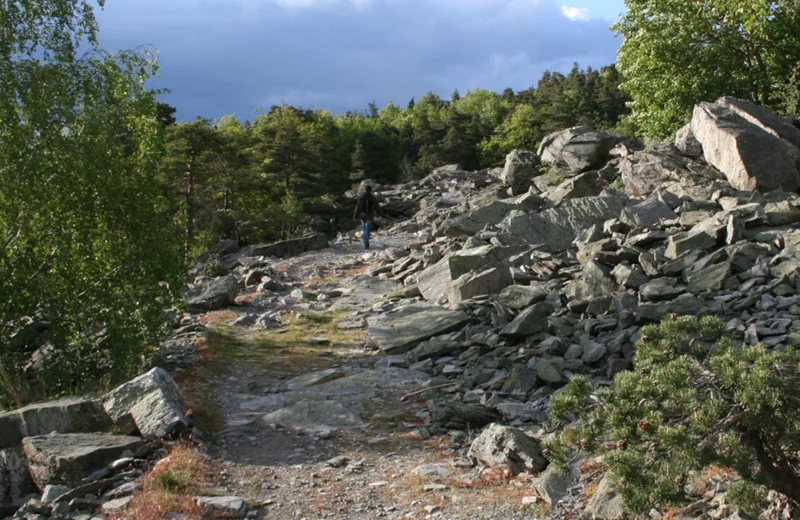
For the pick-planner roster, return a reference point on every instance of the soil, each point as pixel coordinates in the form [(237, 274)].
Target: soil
[(352, 473)]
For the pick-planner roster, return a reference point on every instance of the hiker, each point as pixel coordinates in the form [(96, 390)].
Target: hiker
[(365, 211)]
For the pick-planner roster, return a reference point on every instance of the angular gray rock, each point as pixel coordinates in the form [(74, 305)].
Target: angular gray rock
[(455, 415), (470, 285), (15, 479), (489, 215), (550, 148), (315, 378), (363, 291), (68, 458), (647, 213), (151, 404), (400, 331), (662, 166), (518, 297), (687, 143), (557, 228), (550, 371), (749, 157), (69, 415), (530, 321), (586, 184), (782, 213), (503, 446), (709, 279), (552, 485), (661, 289), (595, 281), (579, 148), (682, 243), (520, 169), (606, 504), (213, 294)]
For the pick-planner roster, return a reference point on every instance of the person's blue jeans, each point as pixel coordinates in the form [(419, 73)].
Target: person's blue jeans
[(367, 229)]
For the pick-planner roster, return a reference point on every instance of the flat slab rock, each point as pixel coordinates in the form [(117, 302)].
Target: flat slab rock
[(400, 331), (68, 458), (359, 386), (315, 416), (229, 506), (363, 292)]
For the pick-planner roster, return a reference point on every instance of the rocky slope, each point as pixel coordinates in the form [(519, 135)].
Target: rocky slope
[(415, 382), (516, 279)]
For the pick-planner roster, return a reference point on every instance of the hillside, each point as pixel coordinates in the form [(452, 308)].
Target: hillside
[(491, 291)]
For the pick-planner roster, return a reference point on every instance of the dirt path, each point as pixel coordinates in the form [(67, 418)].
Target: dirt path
[(350, 449)]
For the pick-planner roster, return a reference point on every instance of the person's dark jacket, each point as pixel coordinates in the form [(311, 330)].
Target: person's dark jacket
[(367, 207)]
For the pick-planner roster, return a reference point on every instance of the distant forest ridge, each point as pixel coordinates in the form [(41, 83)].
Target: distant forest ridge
[(262, 179)]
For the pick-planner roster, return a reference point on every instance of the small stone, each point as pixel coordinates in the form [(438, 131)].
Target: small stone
[(234, 506), (379, 484), (434, 487), (51, 492), (118, 504), (338, 462)]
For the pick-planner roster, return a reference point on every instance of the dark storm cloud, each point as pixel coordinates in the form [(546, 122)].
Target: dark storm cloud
[(223, 56)]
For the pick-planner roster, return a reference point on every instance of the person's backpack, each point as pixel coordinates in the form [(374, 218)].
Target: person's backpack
[(367, 206)]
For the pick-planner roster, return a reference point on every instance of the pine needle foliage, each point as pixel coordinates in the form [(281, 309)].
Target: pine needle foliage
[(693, 399)]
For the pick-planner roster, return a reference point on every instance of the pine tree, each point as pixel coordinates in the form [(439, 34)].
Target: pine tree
[(693, 399)]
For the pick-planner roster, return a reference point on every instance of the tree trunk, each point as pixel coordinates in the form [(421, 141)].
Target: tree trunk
[(190, 209), (782, 478)]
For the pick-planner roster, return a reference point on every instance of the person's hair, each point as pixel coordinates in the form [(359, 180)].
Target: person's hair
[(368, 188)]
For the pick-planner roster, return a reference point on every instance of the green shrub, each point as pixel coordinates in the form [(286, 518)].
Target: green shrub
[(692, 400)]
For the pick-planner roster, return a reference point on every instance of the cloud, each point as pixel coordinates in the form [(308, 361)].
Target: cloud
[(576, 13), (223, 56)]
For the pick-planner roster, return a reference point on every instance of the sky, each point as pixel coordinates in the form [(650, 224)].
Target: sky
[(220, 57)]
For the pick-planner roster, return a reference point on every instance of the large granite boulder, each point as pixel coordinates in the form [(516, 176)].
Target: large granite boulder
[(520, 169), (507, 447), (151, 404), (213, 294), (740, 142), (580, 149), (68, 458), (400, 331), (762, 118)]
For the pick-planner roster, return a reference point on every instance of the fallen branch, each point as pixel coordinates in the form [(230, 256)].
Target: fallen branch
[(420, 392), (492, 383)]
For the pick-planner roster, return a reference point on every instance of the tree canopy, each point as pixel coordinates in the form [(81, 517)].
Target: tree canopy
[(288, 168), (677, 53), (88, 258)]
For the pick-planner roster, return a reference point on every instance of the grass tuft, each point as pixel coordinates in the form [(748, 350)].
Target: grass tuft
[(168, 488)]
